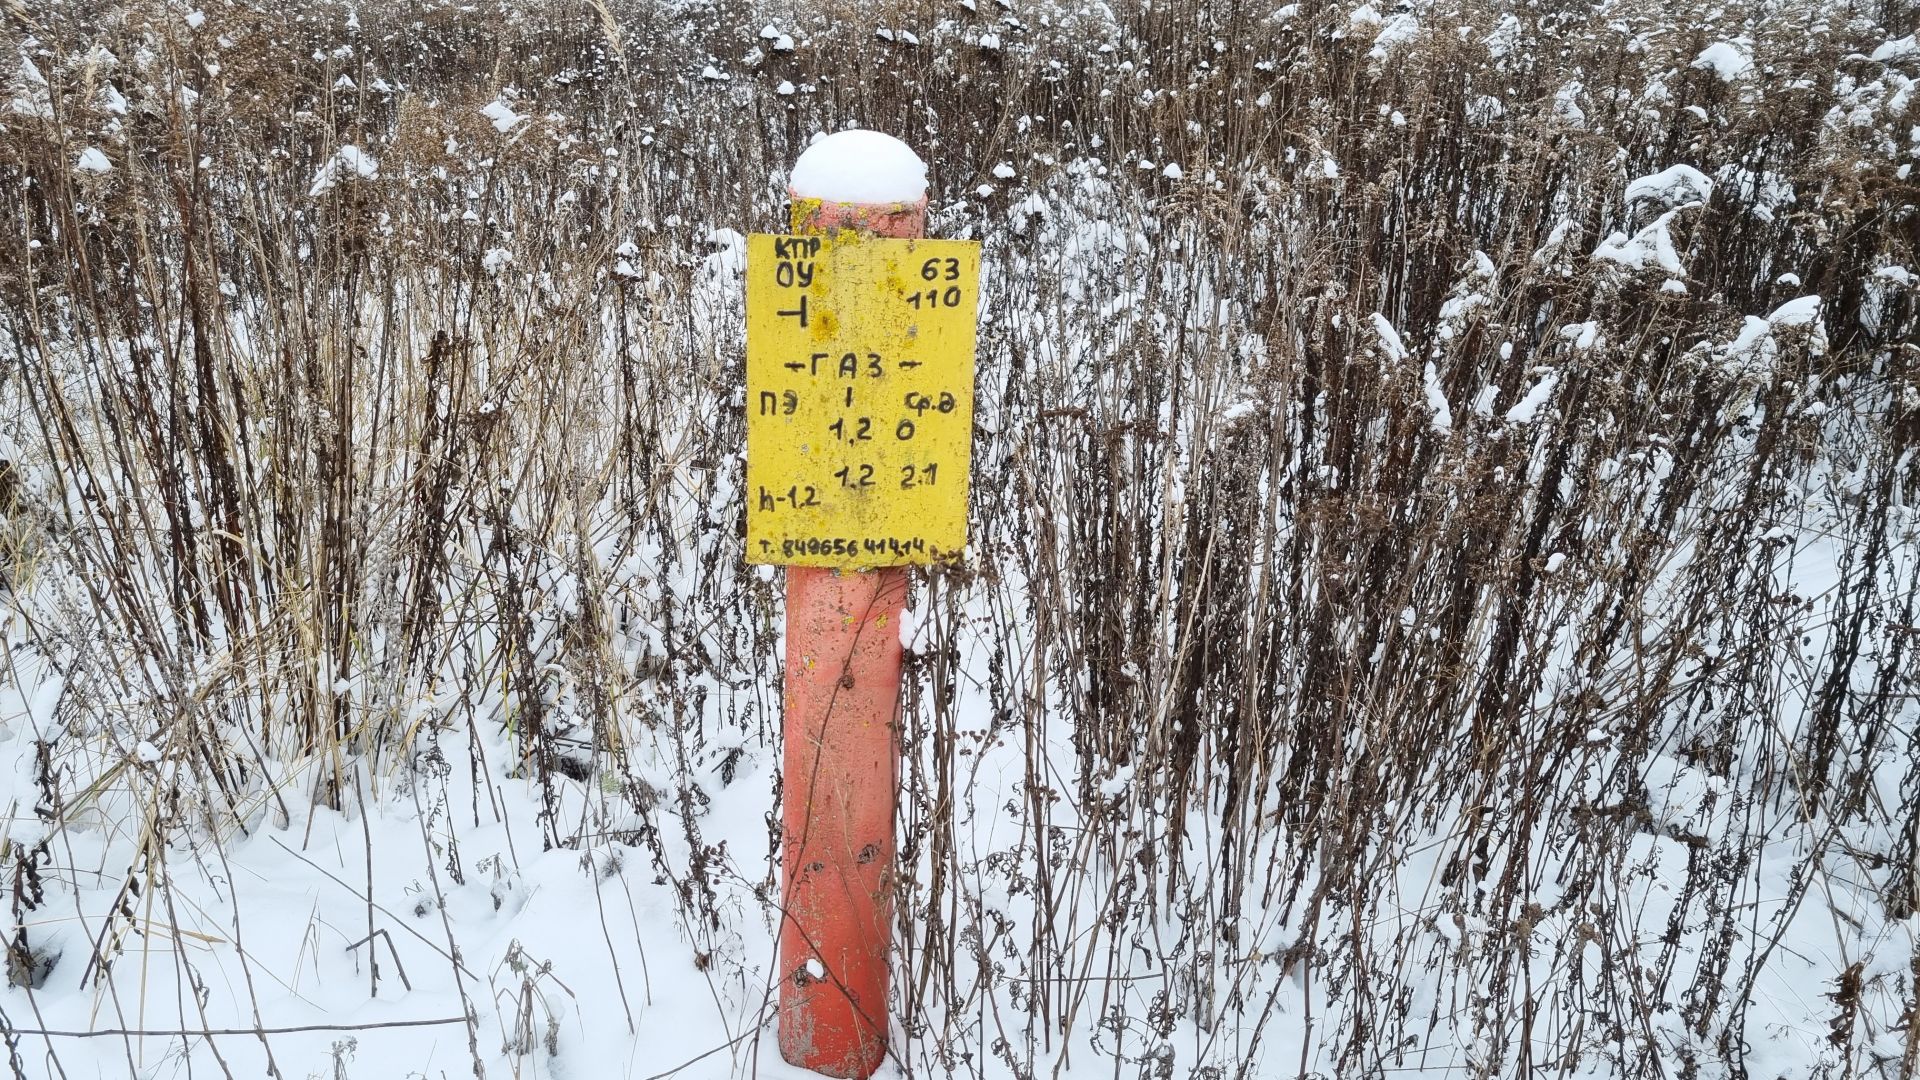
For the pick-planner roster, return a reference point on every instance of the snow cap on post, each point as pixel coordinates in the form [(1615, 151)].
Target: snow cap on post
[(859, 179)]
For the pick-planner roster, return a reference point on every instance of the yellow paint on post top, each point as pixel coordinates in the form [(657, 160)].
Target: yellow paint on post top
[(859, 398)]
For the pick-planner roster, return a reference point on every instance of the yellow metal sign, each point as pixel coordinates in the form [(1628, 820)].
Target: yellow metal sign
[(859, 398)]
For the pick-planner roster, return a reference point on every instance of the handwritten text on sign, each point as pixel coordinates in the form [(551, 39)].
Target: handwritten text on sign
[(859, 398)]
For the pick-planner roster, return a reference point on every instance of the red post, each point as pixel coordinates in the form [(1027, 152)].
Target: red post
[(841, 774)]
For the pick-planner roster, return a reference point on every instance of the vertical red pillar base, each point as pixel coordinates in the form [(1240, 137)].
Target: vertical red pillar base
[(842, 700)]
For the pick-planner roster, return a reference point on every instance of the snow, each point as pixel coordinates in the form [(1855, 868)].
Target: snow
[(1672, 186), (1802, 311), (1437, 400), (1906, 48), (30, 72), (502, 115), (496, 260), (92, 160), (1172, 171), (1528, 408), (859, 166), (1397, 31), (729, 254), (1505, 36), (1584, 335), (1764, 193), (1485, 109), (785, 89), (30, 97), (1483, 401), (1650, 247), (1566, 104), (1725, 59), (1753, 332), (1238, 411), (1389, 337), (196, 19), (1759, 343), (347, 163), (1003, 171)]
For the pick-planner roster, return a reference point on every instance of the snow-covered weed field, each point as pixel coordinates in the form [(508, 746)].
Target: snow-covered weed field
[(1443, 587)]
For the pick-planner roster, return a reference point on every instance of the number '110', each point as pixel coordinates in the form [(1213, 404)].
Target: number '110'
[(934, 298)]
